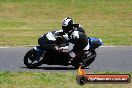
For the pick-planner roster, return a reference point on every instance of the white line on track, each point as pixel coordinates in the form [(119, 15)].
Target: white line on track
[(109, 46), (33, 46)]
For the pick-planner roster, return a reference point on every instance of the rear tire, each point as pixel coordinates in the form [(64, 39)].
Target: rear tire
[(89, 60), (85, 62), (31, 56), (76, 66)]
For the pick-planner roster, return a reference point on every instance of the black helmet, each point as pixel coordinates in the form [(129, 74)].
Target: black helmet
[(67, 25)]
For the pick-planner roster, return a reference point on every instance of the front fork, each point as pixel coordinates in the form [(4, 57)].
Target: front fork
[(39, 52)]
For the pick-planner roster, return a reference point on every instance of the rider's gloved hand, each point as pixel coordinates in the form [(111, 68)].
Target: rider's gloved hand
[(58, 48), (62, 49)]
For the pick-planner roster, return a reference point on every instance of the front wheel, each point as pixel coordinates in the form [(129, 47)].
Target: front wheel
[(30, 59)]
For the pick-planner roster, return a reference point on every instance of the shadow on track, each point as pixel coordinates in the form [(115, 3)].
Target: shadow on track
[(55, 68)]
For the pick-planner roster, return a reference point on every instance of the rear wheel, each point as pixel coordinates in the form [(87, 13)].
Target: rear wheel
[(76, 66), (89, 58), (30, 59), (86, 60)]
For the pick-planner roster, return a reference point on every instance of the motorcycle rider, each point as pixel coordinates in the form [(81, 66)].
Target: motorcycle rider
[(76, 37), (74, 34), (76, 27)]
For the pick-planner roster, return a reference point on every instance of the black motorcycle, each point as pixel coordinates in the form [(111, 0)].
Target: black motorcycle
[(37, 56)]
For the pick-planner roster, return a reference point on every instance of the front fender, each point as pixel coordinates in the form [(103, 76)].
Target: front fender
[(38, 49)]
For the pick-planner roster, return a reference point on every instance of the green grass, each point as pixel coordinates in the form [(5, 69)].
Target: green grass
[(23, 21), (49, 80)]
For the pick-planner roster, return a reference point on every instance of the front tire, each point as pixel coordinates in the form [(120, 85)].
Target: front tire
[(30, 59)]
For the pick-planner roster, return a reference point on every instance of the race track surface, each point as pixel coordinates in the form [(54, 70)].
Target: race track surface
[(108, 59)]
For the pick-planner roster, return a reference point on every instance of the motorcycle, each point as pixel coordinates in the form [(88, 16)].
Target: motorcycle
[(37, 56)]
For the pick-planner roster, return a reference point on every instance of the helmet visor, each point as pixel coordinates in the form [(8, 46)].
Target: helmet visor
[(67, 29)]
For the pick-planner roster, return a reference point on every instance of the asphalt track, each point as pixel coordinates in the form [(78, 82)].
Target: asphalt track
[(108, 59)]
